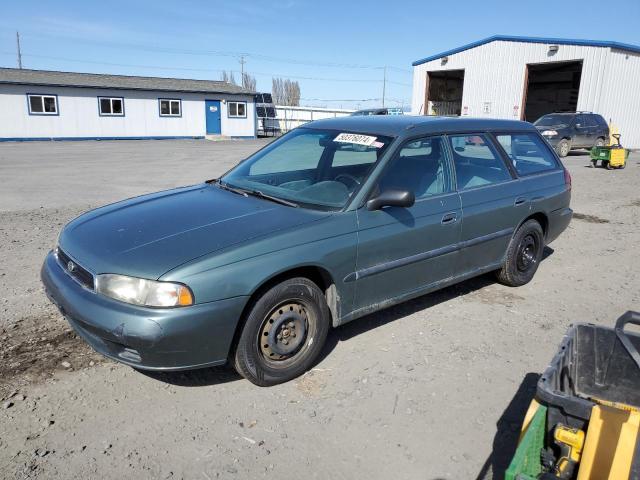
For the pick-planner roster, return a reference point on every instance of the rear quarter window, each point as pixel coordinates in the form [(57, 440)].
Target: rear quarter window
[(527, 152)]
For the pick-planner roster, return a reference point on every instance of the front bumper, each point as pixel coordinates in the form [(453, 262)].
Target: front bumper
[(147, 338), (553, 141)]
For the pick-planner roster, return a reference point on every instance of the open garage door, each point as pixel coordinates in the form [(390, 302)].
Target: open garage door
[(551, 87), (444, 92)]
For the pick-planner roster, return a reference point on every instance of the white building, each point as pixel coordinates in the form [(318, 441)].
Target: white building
[(525, 78), (44, 105)]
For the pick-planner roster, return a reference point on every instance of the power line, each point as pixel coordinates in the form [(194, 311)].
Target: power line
[(209, 70), (257, 56)]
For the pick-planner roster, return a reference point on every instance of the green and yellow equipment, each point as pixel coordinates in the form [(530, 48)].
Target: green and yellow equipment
[(584, 423), (611, 156)]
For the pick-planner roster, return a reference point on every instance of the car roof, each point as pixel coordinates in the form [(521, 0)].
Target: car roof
[(405, 125)]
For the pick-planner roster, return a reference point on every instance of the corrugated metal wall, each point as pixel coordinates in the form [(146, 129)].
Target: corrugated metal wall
[(495, 74), (289, 118), (620, 96)]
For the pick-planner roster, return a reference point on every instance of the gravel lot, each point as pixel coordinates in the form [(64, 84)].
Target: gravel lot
[(435, 388)]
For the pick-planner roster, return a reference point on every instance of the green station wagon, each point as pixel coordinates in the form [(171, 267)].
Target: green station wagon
[(331, 222)]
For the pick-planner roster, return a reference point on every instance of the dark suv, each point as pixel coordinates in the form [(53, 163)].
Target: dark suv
[(565, 131)]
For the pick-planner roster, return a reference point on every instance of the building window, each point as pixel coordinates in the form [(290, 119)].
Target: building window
[(237, 109), (111, 106), (42, 104), (170, 107)]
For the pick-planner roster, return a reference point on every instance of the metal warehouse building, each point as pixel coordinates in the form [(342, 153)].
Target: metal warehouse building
[(39, 105), (525, 78)]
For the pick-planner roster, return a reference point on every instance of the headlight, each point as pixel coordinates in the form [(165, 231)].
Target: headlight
[(139, 291), (549, 133)]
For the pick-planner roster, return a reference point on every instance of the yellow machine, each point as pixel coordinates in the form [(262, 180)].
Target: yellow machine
[(584, 423), (612, 156)]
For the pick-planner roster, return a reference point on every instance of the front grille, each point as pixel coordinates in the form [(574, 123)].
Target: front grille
[(80, 274)]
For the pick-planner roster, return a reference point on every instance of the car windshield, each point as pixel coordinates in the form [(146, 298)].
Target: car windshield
[(313, 168), (552, 120)]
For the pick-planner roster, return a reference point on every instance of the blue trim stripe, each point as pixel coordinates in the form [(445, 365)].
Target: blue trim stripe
[(512, 38), (71, 139)]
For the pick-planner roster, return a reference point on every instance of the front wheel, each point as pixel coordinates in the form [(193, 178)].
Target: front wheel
[(524, 254), (284, 332)]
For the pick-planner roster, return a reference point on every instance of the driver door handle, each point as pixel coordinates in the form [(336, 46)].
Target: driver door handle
[(449, 218)]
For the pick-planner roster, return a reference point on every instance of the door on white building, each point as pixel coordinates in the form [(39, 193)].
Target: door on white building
[(212, 112)]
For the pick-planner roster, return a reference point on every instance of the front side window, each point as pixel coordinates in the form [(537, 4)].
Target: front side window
[(111, 107), (314, 168), (237, 109), (419, 167), (43, 104), (170, 107), (477, 162), (527, 152)]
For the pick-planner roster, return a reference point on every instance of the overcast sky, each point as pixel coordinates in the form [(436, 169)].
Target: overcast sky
[(335, 49)]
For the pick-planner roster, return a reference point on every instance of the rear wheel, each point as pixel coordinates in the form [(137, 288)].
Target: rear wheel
[(283, 334), (563, 147), (523, 255), (599, 142)]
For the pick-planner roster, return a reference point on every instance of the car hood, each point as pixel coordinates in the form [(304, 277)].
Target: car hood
[(150, 235)]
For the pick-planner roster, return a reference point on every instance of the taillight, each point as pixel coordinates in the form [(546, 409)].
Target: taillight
[(567, 179)]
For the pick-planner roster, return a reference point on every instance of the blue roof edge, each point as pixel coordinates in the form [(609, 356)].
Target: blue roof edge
[(513, 38)]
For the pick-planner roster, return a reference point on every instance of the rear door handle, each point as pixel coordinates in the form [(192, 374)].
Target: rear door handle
[(519, 201), (449, 218)]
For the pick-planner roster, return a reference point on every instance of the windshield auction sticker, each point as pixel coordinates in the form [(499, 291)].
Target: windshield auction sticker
[(356, 139)]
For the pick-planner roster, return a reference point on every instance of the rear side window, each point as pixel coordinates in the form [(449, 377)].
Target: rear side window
[(591, 120), (528, 153), (477, 162), (601, 121)]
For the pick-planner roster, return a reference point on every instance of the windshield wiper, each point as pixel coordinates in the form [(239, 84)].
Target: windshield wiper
[(282, 201), (255, 193), (227, 187)]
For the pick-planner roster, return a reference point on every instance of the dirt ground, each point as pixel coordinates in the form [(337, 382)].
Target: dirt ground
[(432, 389)]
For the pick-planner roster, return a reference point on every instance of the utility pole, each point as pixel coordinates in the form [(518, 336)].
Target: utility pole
[(19, 51), (242, 62), (384, 84)]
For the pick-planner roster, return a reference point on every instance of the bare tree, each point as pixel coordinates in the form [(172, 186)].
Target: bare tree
[(228, 77), (248, 81), (285, 92)]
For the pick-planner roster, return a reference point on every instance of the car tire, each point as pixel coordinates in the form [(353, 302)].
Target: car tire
[(599, 142), (284, 332), (524, 254), (563, 147)]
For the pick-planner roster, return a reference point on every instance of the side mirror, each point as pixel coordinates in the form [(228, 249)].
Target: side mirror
[(392, 198)]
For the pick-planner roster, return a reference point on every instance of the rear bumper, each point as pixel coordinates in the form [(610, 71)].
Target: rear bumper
[(558, 222), (146, 338)]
